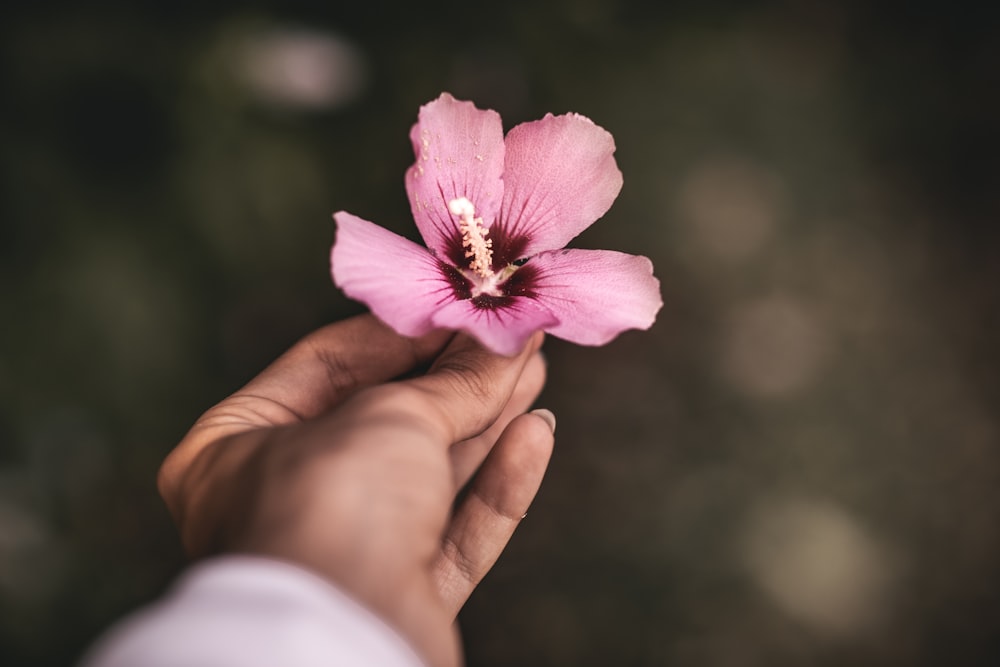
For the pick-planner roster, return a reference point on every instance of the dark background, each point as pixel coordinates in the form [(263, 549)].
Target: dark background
[(797, 465)]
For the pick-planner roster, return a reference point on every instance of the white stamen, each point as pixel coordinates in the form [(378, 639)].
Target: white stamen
[(474, 237)]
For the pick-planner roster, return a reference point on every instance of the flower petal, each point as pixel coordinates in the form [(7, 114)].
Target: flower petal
[(596, 294), (459, 151), (505, 329), (400, 281), (559, 176)]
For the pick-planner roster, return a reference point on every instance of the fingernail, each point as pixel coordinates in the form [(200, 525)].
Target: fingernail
[(547, 415)]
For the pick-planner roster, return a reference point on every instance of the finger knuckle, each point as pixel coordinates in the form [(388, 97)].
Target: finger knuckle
[(466, 375), (340, 374), (466, 567)]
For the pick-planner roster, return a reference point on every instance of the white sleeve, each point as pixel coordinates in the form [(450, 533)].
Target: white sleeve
[(243, 611)]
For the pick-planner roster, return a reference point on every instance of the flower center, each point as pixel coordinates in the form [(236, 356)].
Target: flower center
[(477, 246)]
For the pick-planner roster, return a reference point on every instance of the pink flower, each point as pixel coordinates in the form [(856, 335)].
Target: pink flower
[(495, 214)]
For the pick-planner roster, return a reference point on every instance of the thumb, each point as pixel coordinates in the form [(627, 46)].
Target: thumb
[(468, 386)]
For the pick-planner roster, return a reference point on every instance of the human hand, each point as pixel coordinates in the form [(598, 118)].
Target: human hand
[(323, 461)]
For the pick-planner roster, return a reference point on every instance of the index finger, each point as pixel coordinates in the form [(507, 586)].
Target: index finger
[(327, 366)]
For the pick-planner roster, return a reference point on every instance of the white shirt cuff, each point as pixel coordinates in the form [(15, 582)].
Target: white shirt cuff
[(245, 611)]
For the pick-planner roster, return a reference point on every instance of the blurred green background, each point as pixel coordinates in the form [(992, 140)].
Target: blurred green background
[(798, 464)]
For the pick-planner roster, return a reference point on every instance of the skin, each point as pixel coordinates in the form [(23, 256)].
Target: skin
[(325, 461)]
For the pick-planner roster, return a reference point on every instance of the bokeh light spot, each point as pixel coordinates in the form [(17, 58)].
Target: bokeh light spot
[(772, 347), (731, 205), (301, 69), (818, 565)]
